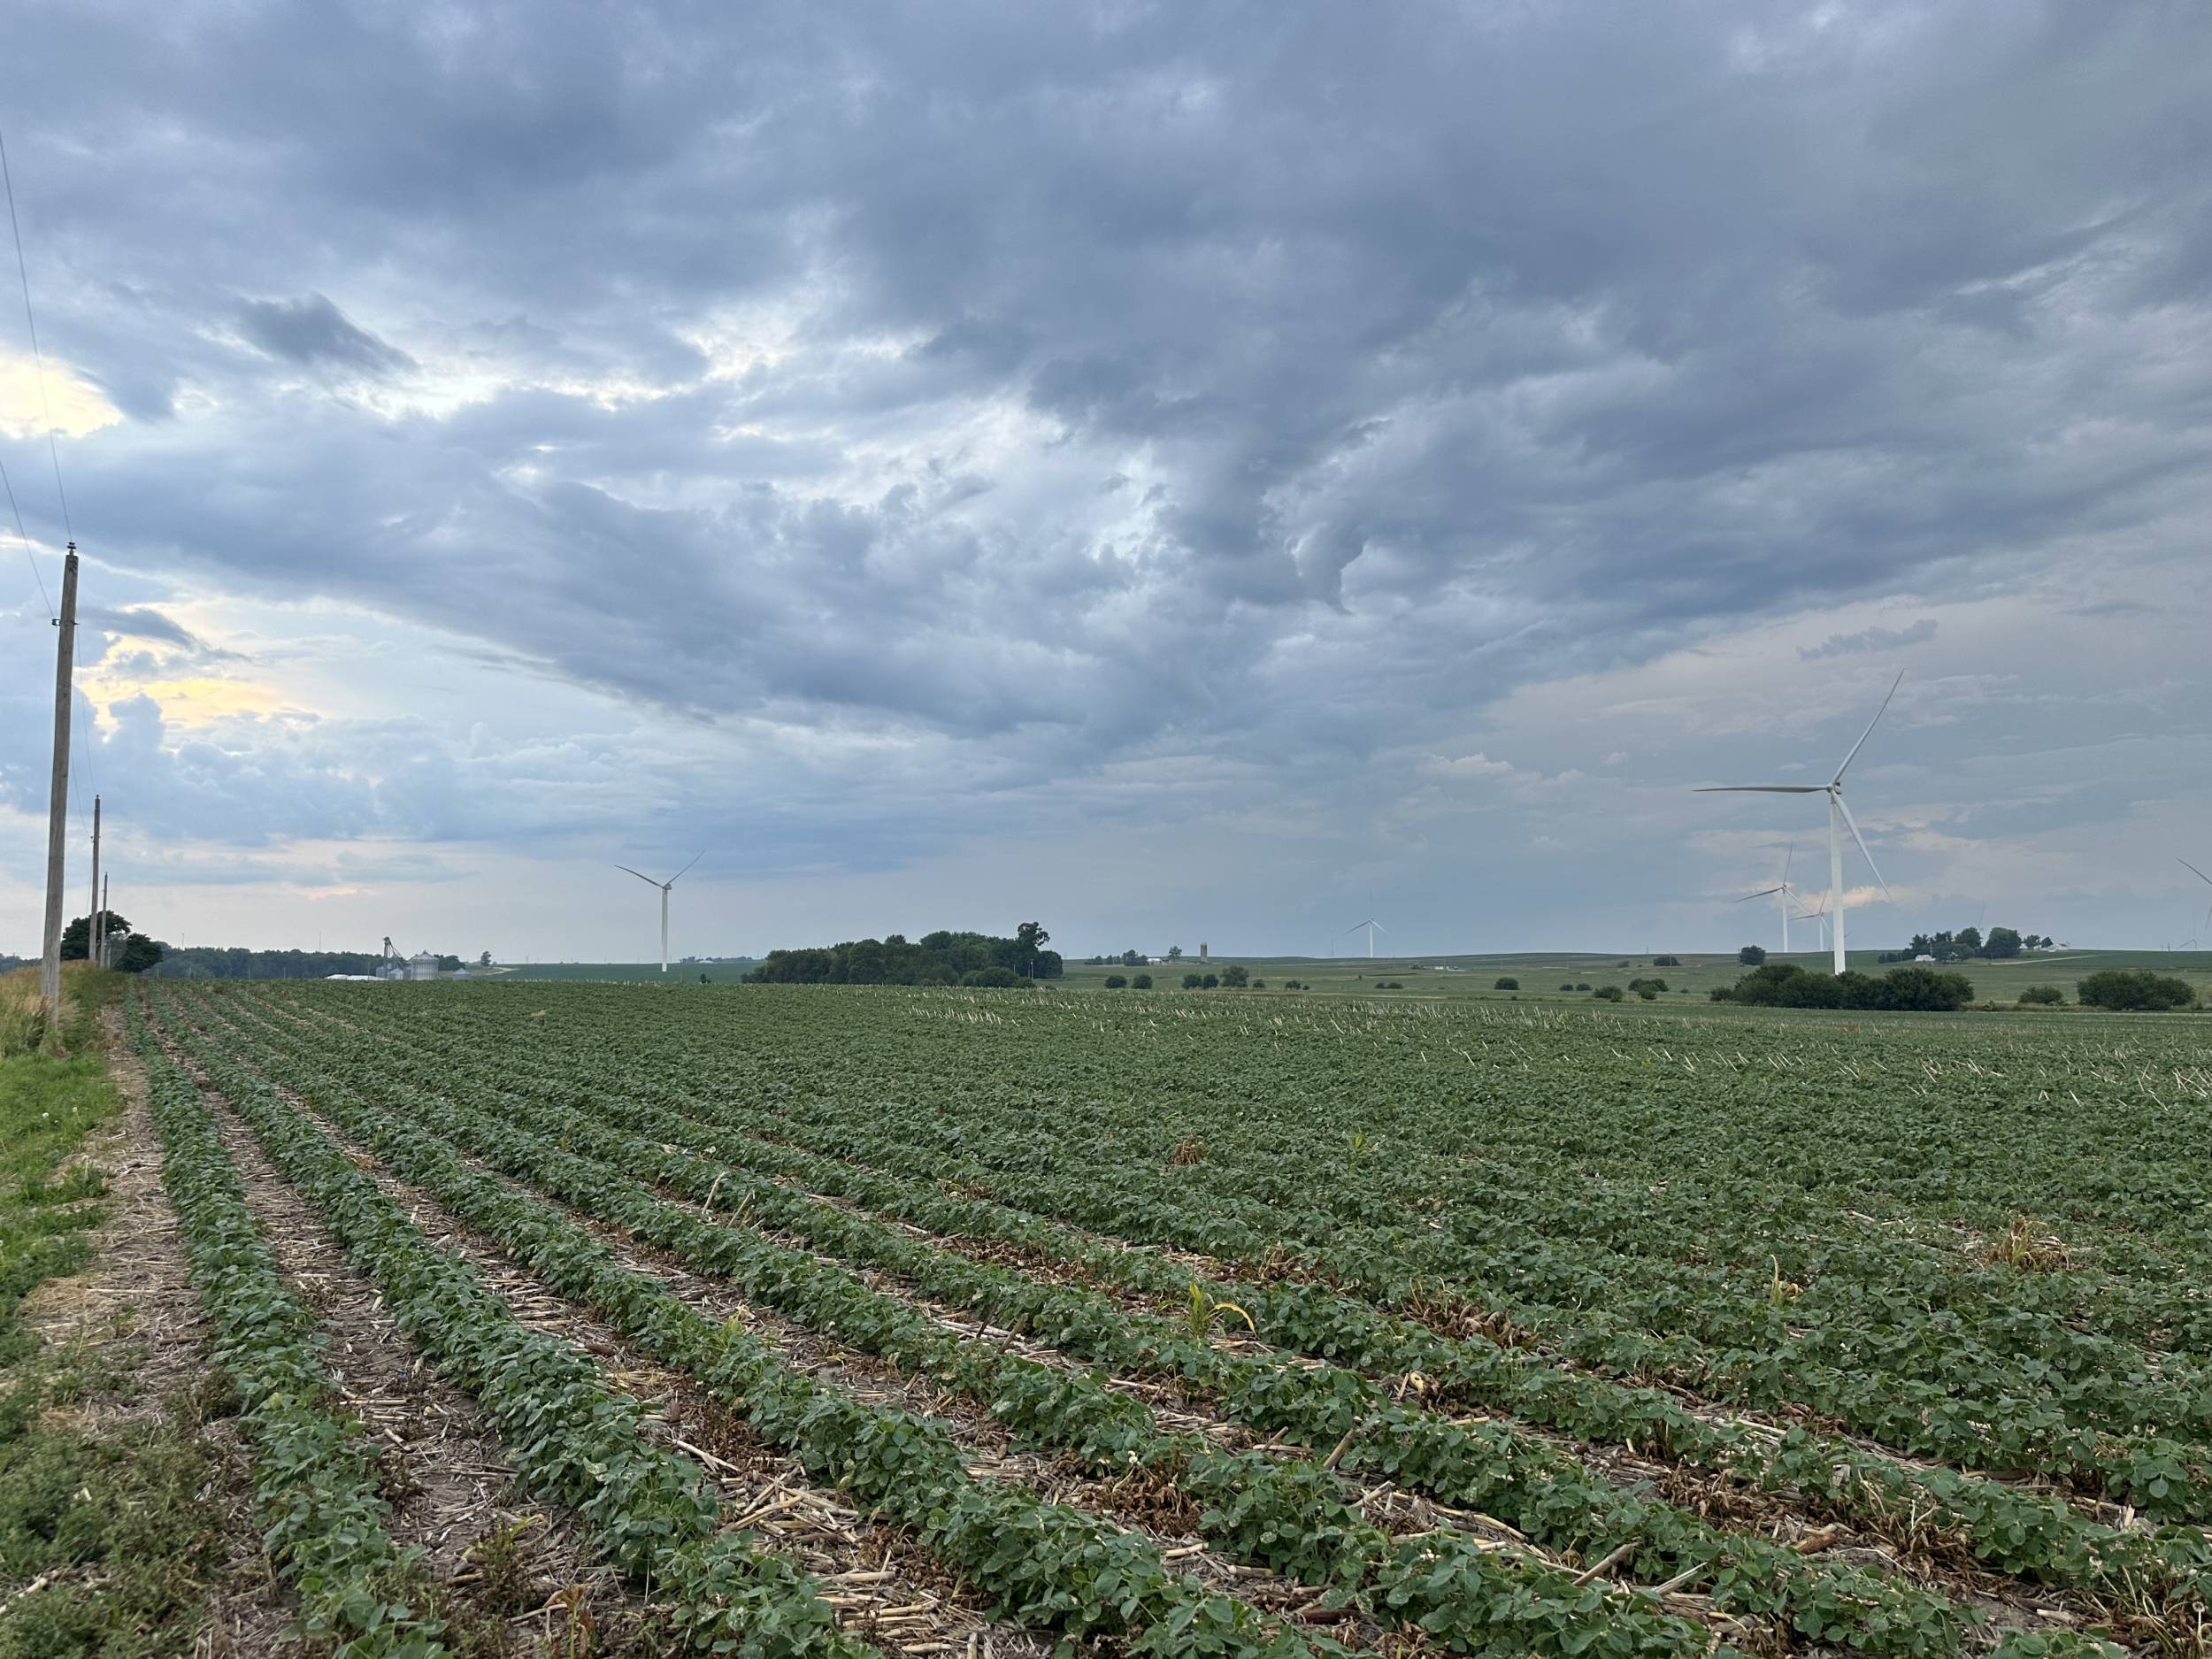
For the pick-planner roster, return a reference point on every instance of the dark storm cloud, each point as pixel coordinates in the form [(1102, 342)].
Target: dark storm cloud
[(312, 330), (1869, 640), (1102, 381)]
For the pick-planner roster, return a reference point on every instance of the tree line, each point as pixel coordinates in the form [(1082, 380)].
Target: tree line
[(943, 958), (1965, 945)]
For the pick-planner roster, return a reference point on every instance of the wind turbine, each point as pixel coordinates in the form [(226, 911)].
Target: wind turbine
[(1818, 913), (1784, 893), (1839, 817), (2206, 929), (663, 887), (1372, 927)]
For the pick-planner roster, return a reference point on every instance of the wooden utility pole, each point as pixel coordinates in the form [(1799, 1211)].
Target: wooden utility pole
[(105, 882), (58, 804), (92, 933)]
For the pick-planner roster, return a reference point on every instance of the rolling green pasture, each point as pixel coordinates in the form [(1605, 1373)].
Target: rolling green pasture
[(1541, 974)]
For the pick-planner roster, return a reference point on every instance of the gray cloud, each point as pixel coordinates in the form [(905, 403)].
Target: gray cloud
[(1060, 398), (312, 330), (1869, 640)]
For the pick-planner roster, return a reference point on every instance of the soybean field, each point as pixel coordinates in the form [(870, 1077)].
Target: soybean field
[(780, 1320)]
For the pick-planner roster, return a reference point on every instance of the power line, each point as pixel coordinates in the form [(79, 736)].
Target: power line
[(24, 536), (38, 360), (53, 449)]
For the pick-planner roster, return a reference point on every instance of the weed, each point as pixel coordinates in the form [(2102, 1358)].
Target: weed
[(2020, 1247), (1205, 1310), (502, 1584)]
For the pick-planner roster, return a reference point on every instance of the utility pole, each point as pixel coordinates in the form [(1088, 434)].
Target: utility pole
[(58, 804), (105, 941), (93, 937)]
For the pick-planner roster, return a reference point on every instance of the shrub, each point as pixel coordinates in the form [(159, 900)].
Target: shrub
[(1210, 982), (1235, 975), (1610, 993), (1647, 985), (1192, 981), (993, 979), (1506, 985), (2135, 989), (1648, 994), (1142, 982), (1294, 985), (1570, 984), (1666, 962), (1582, 985), (1785, 985), (1116, 982), (1259, 985), (2042, 996), (1751, 956)]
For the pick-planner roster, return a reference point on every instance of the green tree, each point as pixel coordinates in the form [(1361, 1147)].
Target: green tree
[(129, 952), (1210, 982), (2002, 942), (1117, 982), (1235, 975), (1506, 983), (1751, 956), (1191, 981), (1142, 982), (1175, 952), (2134, 988), (1030, 938)]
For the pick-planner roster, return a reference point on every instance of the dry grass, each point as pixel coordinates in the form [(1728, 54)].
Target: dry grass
[(2022, 1248), (20, 1027)]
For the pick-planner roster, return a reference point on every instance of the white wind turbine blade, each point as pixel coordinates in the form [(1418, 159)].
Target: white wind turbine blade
[(640, 874), (1761, 788), (1861, 744), (1786, 857), (1760, 893), (1855, 836), (2200, 876), (686, 870)]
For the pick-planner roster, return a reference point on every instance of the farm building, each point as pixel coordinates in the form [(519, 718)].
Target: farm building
[(422, 966)]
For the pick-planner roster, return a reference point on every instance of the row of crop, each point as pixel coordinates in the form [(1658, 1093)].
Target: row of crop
[(313, 1470), (1904, 1345), (1739, 1346), (1735, 1122), (1644, 1115), (572, 1439), (2018, 1426), (1046, 1564), (1852, 1337), (1488, 1465), (2017, 1530)]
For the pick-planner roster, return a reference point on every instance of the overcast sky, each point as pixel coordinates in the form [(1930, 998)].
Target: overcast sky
[(1163, 469)]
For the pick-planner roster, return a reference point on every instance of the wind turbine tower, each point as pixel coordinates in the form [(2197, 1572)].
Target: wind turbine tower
[(2205, 931), (1839, 817), (1784, 893), (663, 887)]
